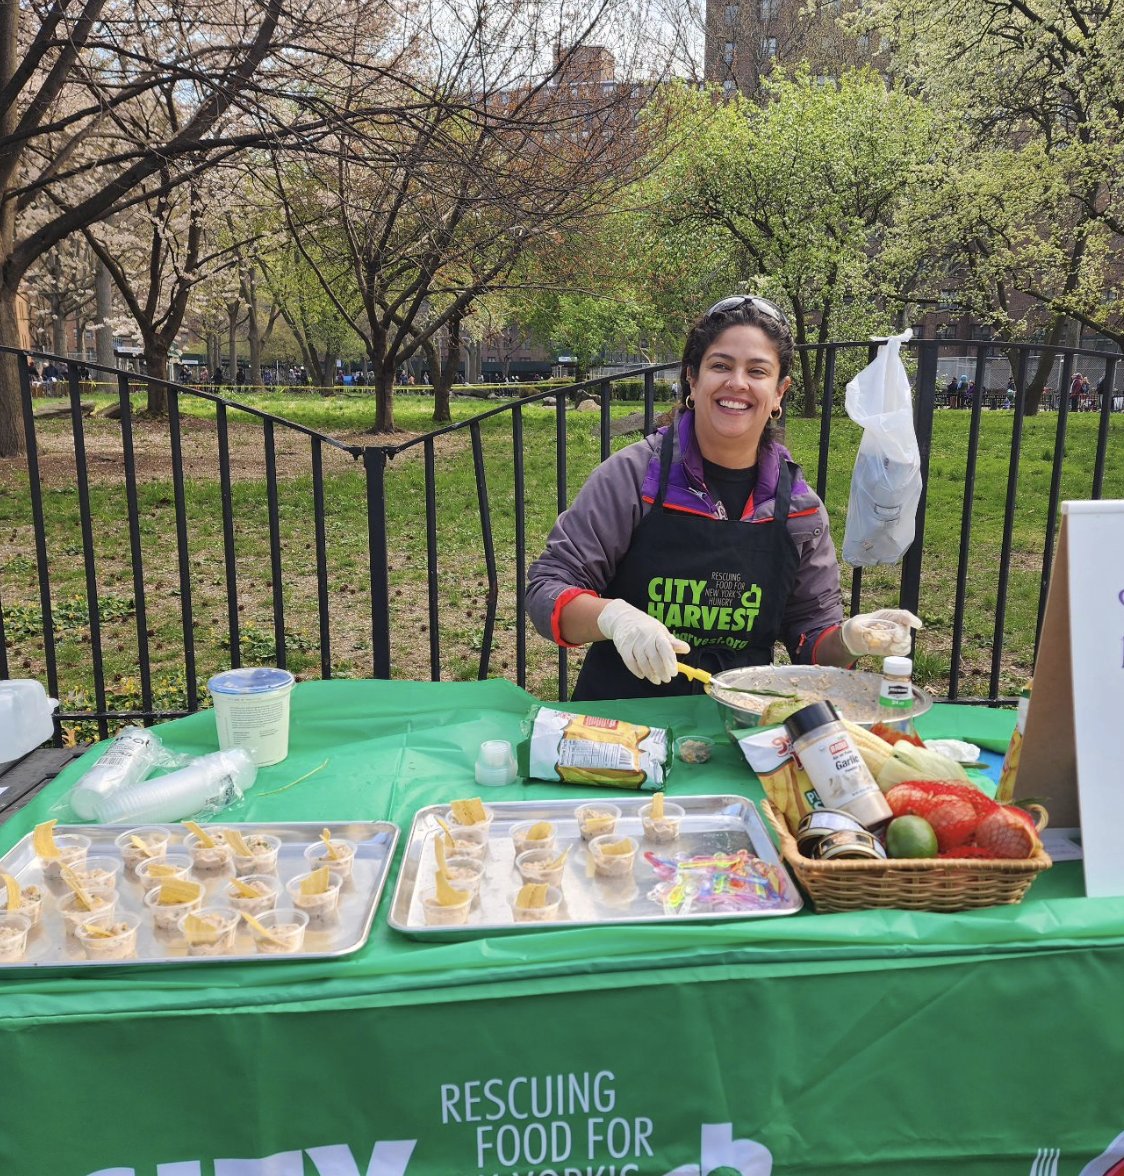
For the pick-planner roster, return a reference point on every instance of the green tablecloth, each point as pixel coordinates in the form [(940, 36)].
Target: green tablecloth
[(869, 1042)]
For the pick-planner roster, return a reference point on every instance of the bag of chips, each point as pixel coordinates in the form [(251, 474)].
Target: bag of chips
[(584, 749)]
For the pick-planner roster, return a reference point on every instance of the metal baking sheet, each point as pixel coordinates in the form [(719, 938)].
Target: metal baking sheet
[(711, 825), (49, 945)]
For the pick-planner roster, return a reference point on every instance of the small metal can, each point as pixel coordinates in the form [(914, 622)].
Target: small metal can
[(849, 844), (817, 824)]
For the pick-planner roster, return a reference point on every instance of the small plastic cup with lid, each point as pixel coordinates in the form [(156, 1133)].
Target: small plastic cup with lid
[(524, 911), (252, 711), (694, 749), (266, 890), (279, 931), (321, 905), (541, 865), (661, 827), (166, 914), (209, 931), (532, 835), (72, 849), (613, 857), (97, 874), (339, 857), (14, 928), (495, 764), (74, 908), (596, 819), (206, 859), (152, 871), (109, 936), (260, 856), (141, 845)]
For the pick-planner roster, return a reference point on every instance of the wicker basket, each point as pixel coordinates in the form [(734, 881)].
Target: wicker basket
[(948, 884)]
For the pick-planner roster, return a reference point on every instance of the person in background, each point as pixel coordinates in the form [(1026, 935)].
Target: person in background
[(703, 542)]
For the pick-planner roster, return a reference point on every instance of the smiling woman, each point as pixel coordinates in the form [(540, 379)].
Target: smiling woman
[(702, 543)]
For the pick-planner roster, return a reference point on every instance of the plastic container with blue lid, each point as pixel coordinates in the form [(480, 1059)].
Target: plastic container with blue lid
[(252, 711)]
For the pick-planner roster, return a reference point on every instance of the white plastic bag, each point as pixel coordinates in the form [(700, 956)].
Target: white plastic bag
[(886, 484)]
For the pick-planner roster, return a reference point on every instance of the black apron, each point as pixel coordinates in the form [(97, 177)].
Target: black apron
[(718, 584)]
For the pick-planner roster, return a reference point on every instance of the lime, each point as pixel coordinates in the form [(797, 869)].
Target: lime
[(911, 837)]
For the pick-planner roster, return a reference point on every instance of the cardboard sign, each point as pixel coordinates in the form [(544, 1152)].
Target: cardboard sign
[(1073, 747)]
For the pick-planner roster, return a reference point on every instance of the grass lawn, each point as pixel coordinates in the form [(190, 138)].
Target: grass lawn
[(461, 575)]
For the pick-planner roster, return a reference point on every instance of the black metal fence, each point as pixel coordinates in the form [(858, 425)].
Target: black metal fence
[(223, 523)]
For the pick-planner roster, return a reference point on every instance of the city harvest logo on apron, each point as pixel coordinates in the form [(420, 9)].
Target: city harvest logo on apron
[(720, 606)]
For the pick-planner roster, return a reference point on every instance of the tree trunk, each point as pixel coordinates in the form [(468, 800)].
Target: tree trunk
[(11, 416), (214, 352), (446, 373), (156, 366), (253, 325), (232, 340), (1055, 338), (384, 398), (103, 335), (58, 335), (323, 373)]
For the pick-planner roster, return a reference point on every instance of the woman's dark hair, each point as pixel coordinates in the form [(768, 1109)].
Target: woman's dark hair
[(703, 333)]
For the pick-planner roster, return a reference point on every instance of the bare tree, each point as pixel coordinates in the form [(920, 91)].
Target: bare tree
[(78, 85), (429, 212)]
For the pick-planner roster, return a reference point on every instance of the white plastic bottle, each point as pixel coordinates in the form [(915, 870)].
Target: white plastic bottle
[(214, 780), (128, 759)]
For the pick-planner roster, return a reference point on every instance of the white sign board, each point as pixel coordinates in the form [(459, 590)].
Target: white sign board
[(1096, 629), (1072, 754)]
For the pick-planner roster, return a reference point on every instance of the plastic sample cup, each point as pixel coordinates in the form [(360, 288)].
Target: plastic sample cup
[(479, 829), (596, 819), (207, 858), (255, 906), (317, 855), (285, 928), (466, 845), (174, 867), (262, 858), (495, 764), (543, 914), (31, 904), (537, 865), (98, 874), (694, 749), (215, 937), (443, 915), (252, 711), (72, 848), (119, 944), (154, 844), (322, 909), (74, 911), (465, 874), (665, 828), (165, 916), (14, 928), (612, 865), (522, 840)]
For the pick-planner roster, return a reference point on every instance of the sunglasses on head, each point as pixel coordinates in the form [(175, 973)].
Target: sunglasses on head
[(761, 304)]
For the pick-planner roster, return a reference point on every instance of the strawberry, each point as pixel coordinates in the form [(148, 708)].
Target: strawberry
[(1008, 833)]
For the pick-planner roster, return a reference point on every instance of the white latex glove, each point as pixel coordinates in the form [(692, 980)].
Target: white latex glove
[(645, 645), (886, 631)]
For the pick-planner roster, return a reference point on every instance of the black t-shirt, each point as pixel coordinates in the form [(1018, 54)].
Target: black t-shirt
[(731, 487)]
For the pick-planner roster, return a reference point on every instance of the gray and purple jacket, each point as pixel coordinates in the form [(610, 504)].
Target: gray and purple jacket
[(589, 540)]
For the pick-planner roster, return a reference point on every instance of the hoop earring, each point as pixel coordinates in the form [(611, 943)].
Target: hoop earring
[(775, 415), (689, 403)]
